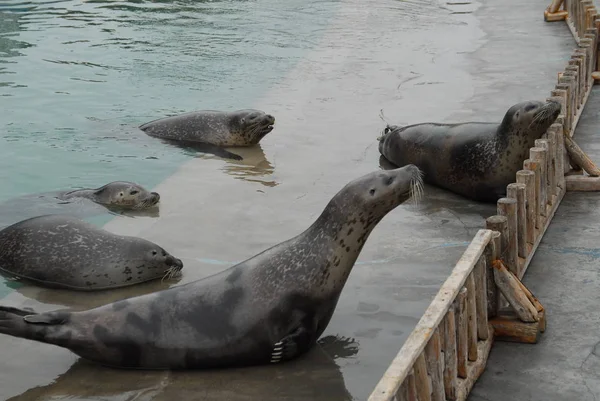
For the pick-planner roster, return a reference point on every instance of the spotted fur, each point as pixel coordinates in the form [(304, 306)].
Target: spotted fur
[(268, 309), (118, 194)]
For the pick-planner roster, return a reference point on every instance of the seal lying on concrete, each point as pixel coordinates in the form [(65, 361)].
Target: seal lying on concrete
[(115, 197), (64, 252), (268, 309), (473, 159)]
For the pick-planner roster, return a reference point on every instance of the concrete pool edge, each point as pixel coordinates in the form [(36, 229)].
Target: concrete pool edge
[(428, 365)]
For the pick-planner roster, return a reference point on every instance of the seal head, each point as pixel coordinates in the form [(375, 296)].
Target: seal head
[(118, 194)]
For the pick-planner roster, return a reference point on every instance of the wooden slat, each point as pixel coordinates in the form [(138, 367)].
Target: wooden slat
[(414, 345), (526, 177), (517, 192), (422, 379), (450, 361), (534, 167), (481, 299), (471, 319), (462, 343), (508, 207)]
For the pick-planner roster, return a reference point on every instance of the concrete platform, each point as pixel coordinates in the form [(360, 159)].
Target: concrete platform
[(564, 276), (418, 62)]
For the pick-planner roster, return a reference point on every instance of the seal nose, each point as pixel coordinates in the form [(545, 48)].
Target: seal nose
[(271, 118), (155, 195), (173, 261)]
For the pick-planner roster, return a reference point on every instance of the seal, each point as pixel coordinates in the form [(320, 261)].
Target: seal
[(474, 159), (118, 197), (116, 194), (268, 309), (65, 252), (219, 128)]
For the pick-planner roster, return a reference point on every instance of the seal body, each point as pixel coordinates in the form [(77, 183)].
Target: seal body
[(476, 160), (270, 308), (65, 252), (220, 128), (117, 194)]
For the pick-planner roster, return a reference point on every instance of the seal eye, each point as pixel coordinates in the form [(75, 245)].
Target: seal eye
[(154, 253), (134, 192), (530, 107), (372, 192), (120, 193)]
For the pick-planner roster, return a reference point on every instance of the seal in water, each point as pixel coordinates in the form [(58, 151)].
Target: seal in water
[(65, 252), (210, 127), (476, 160), (270, 308), (119, 197)]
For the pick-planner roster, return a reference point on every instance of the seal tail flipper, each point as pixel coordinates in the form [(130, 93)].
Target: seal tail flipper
[(28, 324)]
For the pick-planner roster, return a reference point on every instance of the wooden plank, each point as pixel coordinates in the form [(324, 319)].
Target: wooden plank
[(414, 345), (462, 344), (481, 299), (471, 319), (507, 284), (435, 369), (450, 357), (510, 328)]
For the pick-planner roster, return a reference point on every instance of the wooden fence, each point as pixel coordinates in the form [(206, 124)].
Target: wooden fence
[(483, 299)]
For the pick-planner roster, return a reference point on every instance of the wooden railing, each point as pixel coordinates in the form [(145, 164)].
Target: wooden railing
[(483, 299)]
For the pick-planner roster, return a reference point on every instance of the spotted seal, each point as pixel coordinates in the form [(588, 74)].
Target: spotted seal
[(268, 309), (474, 159), (212, 128), (116, 194), (65, 252)]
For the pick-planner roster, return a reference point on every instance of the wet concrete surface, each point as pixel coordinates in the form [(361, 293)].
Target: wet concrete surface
[(416, 61), (563, 275)]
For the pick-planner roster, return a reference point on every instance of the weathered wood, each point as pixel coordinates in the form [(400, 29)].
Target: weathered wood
[(559, 143), (552, 183), (471, 318), (543, 144), (410, 387), (507, 284), (554, 6), (481, 298), (415, 343), (580, 158), (534, 167), (510, 328), (538, 156), (476, 368), (582, 183), (490, 256), (518, 192), (508, 207), (462, 345), (500, 224), (567, 110), (553, 17), (526, 178), (536, 303), (571, 71), (433, 358), (450, 357), (421, 379)]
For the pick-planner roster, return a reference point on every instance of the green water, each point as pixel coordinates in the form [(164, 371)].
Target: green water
[(77, 77)]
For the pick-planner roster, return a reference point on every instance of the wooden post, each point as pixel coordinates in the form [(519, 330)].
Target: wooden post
[(527, 178), (450, 360), (421, 379), (538, 156), (481, 298), (554, 6), (579, 157), (559, 142), (578, 59), (471, 319), (500, 224), (462, 343), (570, 72), (518, 192), (507, 284), (552, 185), (543, 144), (508, 207), (534, 167), (490, 256), (408, 390), (433, 358)]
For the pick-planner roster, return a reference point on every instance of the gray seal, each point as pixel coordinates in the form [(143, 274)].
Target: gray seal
[(59, 251), (268, 309), (116, 194), (474, 159), (212, 128)]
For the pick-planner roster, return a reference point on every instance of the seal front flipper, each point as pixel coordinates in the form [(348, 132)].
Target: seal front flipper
[(292, 345)]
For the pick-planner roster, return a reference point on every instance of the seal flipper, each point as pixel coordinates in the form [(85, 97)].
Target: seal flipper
[(30, 325), (292, 345)]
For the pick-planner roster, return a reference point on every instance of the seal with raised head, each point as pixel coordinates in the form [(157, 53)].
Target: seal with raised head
[(270, 308), (475, 159), (116, 194), (220, 128), (59, 251)]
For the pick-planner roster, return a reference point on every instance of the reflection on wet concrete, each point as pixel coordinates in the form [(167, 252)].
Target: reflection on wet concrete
[(315, 376)]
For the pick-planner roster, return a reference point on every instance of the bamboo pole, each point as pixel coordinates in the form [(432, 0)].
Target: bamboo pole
[(508, 207), (527, 178), (450, 357), (471, 319), (518, 192)]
